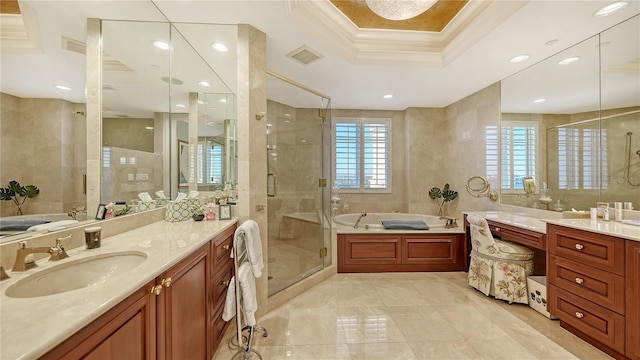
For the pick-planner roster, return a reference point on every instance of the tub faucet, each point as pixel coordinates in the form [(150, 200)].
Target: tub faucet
[(451, 222), (362, 214), (74, 212), (57, 252)]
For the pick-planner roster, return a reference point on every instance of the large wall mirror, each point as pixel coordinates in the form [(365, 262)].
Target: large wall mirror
[(572, 122), (169, 120)]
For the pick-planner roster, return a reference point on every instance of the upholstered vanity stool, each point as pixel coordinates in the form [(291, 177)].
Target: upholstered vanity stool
[(498, 268)]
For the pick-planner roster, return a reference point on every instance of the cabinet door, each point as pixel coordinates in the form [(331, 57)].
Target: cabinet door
[(128, 331), (633, 299), (183, 310)]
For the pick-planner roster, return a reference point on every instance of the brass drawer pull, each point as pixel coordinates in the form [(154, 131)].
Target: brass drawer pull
[(579, 280), (579, 246), (497, 229), (225, 283), (579, 315), (156, 289), (225, 246), (166, 282)]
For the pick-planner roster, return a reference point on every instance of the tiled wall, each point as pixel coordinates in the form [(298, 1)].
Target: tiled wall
[(40, 138)]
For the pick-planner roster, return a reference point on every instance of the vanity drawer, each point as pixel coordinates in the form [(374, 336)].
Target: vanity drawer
[(590, 249), (219, 284), (593, 320), (221, 246), (601, 287), (521, 236)]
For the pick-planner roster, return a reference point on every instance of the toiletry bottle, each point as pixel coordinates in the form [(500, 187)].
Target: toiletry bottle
[(605, 214)]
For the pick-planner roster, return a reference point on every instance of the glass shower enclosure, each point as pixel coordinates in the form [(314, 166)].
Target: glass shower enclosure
[(298, 156)]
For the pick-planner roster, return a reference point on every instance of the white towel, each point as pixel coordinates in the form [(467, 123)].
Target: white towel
[(247, 236), (247, 293), (52, 225)]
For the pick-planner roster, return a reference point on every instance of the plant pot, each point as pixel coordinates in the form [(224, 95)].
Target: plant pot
[(198, 217)]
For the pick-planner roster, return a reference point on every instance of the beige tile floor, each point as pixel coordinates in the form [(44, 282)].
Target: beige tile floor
[(408, 316)]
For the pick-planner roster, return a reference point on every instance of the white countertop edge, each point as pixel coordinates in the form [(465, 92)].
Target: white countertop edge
[(55, 318), (520, 221), (611, 228)]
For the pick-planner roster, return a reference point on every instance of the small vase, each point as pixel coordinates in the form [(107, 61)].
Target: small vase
[(198, 217)]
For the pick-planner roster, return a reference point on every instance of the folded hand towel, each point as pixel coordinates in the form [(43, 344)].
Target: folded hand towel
[(405, 224), (20, 225)]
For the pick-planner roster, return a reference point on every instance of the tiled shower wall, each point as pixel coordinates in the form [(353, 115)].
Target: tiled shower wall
[(40, 138)]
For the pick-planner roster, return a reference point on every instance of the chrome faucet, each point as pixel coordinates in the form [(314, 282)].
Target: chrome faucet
[(57, 252), (74, 212), (362, 214)]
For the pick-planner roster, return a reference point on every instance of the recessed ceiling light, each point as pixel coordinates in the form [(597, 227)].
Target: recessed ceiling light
[(149, 127), (204, 83), (62, 87), (220, 47), (181, 105), (610, 9), (161, 45), (539, 100), (388, 96), (568, 60), (519, 58), (223, 100), (551, 42)]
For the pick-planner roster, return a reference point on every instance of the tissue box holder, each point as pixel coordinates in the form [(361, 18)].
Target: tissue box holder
[(143, 206), (177, 211), (193, 203), (162, 202)]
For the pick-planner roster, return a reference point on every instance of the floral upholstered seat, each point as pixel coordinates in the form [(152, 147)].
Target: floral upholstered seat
[(498, 268)]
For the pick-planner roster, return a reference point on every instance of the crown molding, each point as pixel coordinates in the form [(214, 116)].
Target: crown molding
[(401, 47), (19, 33)]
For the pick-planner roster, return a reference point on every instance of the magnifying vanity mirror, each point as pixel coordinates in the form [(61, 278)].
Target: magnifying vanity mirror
[(478, 186)]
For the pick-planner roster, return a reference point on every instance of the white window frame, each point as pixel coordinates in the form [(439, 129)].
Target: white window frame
[(512, 189), (361, 122)]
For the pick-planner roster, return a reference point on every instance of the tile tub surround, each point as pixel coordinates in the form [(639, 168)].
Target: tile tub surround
[(29, 326)]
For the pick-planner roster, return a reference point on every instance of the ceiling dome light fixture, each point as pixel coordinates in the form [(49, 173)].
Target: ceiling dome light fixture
[(399, 9), (610, 9)]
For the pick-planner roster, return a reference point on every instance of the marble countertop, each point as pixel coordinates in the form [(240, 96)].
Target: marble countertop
[(521, 221), (33, 326), (611, 228)]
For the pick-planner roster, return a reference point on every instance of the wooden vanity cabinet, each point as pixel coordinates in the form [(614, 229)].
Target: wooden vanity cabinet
[(127, 331), (182, 309), (178, 315), (633, 300), (588, 283), (221, 273)]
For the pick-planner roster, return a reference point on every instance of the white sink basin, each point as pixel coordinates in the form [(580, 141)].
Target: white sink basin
[(76, 274)]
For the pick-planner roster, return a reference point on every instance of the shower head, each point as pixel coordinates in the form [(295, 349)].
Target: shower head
[(629, 133), (638, 152)]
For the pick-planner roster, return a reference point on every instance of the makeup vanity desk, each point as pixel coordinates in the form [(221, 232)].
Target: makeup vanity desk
[(520, 229)]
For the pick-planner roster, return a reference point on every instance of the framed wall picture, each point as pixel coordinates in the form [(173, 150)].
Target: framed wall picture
[(101, 211), (225, 212)]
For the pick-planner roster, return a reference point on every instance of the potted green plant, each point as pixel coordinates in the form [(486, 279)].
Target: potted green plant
[(18, 194), (442, 196), (197, 213)]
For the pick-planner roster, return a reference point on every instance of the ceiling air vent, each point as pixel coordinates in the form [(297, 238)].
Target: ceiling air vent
[(304, 55), (108, 62)]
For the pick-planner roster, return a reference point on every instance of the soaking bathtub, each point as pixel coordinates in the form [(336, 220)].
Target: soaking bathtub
[(372, 248)]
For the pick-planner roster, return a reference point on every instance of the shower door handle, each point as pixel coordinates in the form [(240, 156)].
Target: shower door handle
[(272, 185)]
